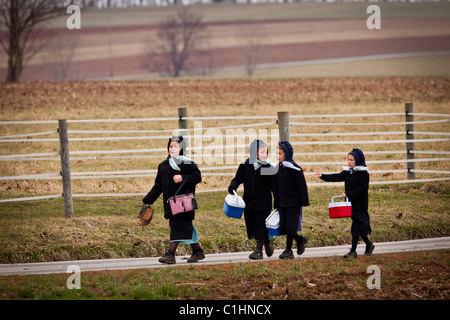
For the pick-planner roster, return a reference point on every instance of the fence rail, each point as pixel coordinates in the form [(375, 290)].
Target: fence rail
[(282, 121)]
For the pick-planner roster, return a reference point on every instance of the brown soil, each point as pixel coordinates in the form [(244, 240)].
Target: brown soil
[(406, 276), (235, 56), (309, 44)]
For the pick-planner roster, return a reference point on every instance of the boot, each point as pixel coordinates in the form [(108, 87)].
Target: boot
[(287, 254), (168, 258), (369, 249), (351, 254), (301, 244), (197, 255), (256, 255), (268, 246)]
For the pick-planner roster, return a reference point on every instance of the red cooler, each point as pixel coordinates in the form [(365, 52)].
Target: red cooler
[(340, 209)]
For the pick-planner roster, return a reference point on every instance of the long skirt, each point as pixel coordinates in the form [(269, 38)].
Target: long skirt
[(182, 230), (360, 223), (255, 222), (290, 220)]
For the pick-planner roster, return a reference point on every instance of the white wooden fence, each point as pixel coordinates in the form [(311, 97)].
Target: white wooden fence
[(284, 121)]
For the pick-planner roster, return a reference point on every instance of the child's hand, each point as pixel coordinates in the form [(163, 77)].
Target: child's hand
[(318, 175), (177, 178), (344, 195)]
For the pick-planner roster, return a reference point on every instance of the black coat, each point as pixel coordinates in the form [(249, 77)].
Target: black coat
[(164, 184), (357, 191), (290, 188), (257, 188), (356, 187)]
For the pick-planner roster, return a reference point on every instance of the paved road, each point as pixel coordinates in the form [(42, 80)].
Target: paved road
[(212, 259)]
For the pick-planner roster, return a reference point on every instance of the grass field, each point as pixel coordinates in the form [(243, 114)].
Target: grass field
[(107, 227), (430, 66)]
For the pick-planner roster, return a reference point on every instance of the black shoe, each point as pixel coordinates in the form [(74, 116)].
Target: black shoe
[(351, 254), (268, 246), (168, 258), (369, 249), (301, 244), (287, 254), (256, 255), (196, 256)]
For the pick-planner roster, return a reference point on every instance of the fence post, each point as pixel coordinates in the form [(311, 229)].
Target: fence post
[(65, 168), (182, 122), (409, 127), (283, 125), (183, 126)]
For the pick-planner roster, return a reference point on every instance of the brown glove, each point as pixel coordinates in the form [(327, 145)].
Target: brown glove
[(145, 215)]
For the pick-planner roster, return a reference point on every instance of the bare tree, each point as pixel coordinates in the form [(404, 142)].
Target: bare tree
[(205, 61), (176, 38), (250, 36), (58, 62), (20, 18)]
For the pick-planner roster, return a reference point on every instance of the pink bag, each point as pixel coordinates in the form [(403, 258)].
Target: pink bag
[(183, 202)]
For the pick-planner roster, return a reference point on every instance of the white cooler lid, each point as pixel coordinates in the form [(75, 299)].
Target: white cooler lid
[(339, 204), (235, 201), (273, 220)]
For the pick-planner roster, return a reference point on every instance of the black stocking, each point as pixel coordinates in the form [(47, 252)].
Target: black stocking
[(354, 243), (173, 247)]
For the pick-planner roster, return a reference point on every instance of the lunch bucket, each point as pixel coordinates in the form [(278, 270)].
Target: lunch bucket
[(234, 206), (339, 209), (273, 223)]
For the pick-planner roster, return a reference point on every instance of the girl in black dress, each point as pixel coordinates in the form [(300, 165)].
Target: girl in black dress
[(171, 173), (356, 177), (291, 194), (256, 175)]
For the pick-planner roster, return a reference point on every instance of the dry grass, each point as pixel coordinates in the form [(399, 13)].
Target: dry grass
[(429, 66), (106, 227), (82, 100)]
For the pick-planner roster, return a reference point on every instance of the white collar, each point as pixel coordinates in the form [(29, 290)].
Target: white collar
[(357, 168), (290, 165)]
